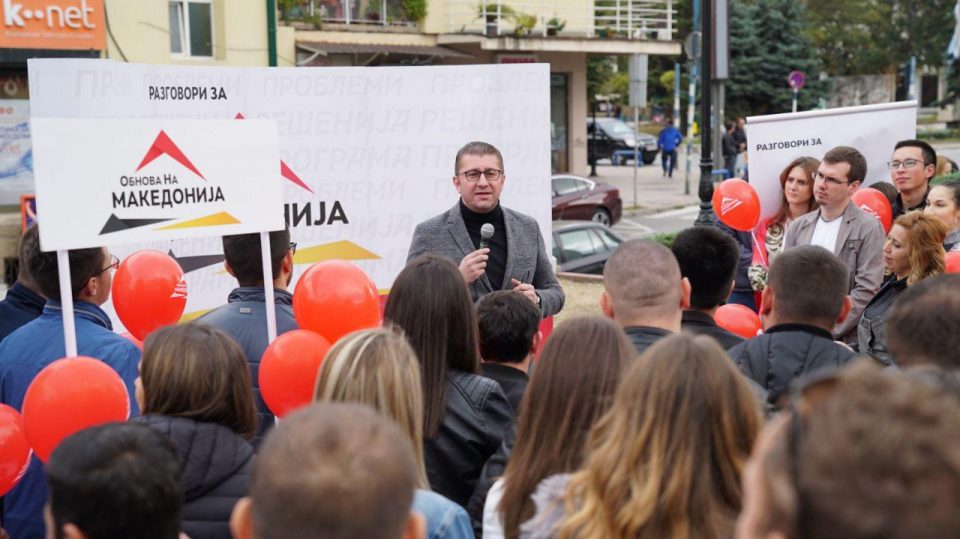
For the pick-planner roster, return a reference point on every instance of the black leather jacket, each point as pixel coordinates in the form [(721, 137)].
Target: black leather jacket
[(476, 418)]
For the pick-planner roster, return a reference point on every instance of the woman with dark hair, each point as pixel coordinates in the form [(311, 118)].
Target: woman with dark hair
[(912, 252), (561, 404), (796, 199), (194, 387), (665, 459), (943, 202), (464, 415)]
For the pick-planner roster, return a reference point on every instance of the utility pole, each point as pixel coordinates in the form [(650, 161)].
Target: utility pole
[(705, 218)]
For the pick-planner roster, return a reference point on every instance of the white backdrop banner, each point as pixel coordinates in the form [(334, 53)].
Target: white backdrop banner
[(774, 141), (365, 153)]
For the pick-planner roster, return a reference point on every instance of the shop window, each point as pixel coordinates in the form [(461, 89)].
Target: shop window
[(191, 28)]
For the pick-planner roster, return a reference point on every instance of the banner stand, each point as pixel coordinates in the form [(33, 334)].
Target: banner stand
[(66, 303), (269, 305)]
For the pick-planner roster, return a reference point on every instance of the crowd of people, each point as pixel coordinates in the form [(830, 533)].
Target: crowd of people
[(457, 419)]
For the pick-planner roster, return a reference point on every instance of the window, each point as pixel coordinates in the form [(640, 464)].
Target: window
[(609, 240), (564, 186), (191, 27), (579, 244), (582, 185)]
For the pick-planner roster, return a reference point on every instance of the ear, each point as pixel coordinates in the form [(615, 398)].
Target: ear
[(71, 531), (767, 299), (931, 171), (456, 183), (845, 310), (535, 345), (241, 524), (89, 288), (416, 527), (226, 266), (606, 305), (286, 265), (685, 293)]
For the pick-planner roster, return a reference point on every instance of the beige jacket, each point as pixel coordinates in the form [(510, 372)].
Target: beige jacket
[(860, 246)]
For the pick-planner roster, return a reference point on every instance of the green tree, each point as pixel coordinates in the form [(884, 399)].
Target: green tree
[(767, 42)]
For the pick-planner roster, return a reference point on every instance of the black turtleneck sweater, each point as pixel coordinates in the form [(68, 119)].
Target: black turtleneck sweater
[(497, 263)]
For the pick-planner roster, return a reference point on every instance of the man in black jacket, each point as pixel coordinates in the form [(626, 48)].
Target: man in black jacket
[(708, 259), (805, 297), (644, 292), (509, 338)]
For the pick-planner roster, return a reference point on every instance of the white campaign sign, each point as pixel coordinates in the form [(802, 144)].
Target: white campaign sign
[(117, 182), (365, 153), (774, 141)]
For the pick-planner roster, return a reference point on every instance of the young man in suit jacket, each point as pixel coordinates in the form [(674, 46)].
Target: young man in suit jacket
[(516, 258)]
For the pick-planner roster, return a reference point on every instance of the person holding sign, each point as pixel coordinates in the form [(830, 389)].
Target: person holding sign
[(496, 248), (25, 352), (843, 229), (913, 164)]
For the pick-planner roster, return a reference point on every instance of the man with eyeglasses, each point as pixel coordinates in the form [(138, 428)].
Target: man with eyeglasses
[(515, 258), (244, 317), (843, 229), (914, 163), (26, 351)]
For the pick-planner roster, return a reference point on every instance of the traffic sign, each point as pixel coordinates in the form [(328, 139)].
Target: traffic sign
[(796, 79)]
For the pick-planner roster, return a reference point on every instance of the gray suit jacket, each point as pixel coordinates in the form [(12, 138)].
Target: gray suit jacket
[(860, 246), (527, 261)]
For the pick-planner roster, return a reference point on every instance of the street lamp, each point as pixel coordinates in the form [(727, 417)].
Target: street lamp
[(592, 136), (705, 218)]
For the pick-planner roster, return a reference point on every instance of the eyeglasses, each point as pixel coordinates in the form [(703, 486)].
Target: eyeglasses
[(114, 264), (817, 177), (907, 164), (293, 247), (491, 174)]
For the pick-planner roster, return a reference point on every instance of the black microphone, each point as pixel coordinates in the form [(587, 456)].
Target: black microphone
[(486, 232)]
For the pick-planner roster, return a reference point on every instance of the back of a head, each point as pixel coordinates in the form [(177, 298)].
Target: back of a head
[(198, 372), (708, 258), (84, 264), (29, 243), (378, 368), (923, 326), (430, 302), (577, 374), (333, 471), (242, 253), (476, 148), (642, 280), (116, 480), (683, 419), (850, 156), (809, 285), (879, 458), (507, 324)]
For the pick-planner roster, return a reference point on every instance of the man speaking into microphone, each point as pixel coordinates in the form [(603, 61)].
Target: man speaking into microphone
[(496, 248)]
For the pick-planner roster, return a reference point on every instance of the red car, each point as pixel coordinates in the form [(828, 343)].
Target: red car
[(576, 198)]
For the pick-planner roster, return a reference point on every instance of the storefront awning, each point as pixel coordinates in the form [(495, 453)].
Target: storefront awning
[(324, 49)]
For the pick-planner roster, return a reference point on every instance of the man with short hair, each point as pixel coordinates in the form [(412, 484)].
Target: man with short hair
[(667, 143), (913, 165), (871, 454), (708, 258), (842, 228), (114, 480), (644, 292), (26, 351), (804, 298), (24, 302), (515, 259), (730, 148), (923, 326), (509, 338), (244, 317), (332, 470)]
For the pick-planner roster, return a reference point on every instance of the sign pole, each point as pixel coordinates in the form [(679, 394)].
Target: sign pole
[(636, 152), (795, 92), (66, 302), (269, 305)]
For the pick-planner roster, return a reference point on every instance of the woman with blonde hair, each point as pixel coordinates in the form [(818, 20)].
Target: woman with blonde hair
[(194, 387), (666, 458), (378, 367), (912, 252)]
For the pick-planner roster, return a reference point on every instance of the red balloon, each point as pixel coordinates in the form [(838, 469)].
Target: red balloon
[(953, 262), (133, 339), (334, 298), (288, 370), (14, 448), (736, 204), (738, 319), (69, 395), (149, 292), (876, 204)]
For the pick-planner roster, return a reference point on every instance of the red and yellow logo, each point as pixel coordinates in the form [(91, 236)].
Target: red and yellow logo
[(53, 24)]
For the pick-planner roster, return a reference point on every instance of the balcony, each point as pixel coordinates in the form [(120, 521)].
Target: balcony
[(362, 15), (616, 19)]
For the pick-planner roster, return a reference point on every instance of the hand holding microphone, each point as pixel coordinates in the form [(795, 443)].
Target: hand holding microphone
[(473, 265)]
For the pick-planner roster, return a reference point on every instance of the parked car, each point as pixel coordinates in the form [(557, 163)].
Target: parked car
[(615, 140), (583, 247), (578, 198)]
